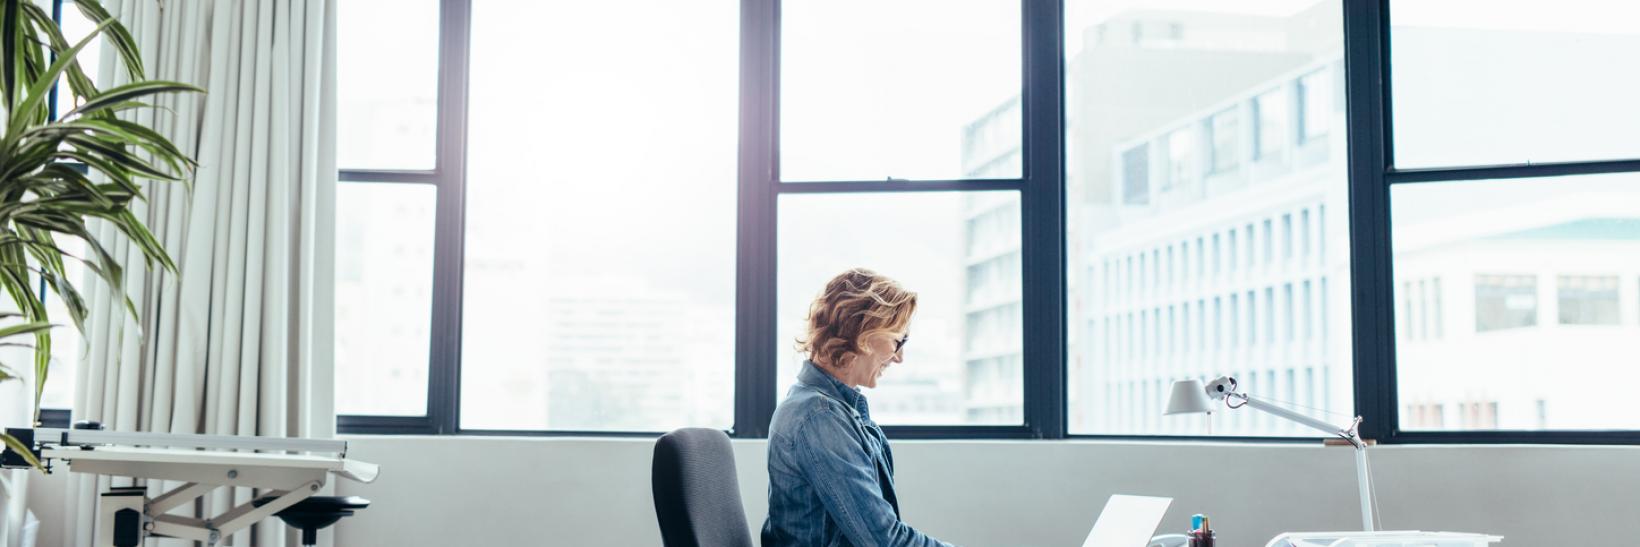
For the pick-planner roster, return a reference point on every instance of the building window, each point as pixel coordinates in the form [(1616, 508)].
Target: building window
[(1304, 233), (1270, 135), (1437, 315), (1218, 258), (1314, 106), (1226, 129), (1588, 300), (1269, 248), (1136, 175), (1505, 302), (1287, 236), (1181, 146), (1247, 235), (1403, 313)]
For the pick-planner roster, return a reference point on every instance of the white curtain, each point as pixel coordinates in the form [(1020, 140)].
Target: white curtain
[(238, 342)]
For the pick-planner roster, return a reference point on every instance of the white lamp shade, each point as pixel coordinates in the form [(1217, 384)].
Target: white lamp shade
[(1189, 397)]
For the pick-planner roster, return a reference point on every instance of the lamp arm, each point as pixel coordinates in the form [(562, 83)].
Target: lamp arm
[(1363, 480), (1347, 434)]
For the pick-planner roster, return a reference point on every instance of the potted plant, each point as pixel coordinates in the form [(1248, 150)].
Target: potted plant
[(56, 175)]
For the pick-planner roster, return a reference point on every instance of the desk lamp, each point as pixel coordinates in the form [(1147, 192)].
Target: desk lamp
[(1191, 397)]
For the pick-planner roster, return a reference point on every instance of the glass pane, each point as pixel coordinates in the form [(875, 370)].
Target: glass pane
[(911, 89), (387, 84), (600, 246), (1501, 82), (1517, 302), (66, 341), (1207, 226), (75, 26), (960, 253), (384, 297)]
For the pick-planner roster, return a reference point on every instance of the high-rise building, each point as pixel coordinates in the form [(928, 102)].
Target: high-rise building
[(992, 310), (1208, 234), (1135, 192), (1546, 290), (1226, 257)]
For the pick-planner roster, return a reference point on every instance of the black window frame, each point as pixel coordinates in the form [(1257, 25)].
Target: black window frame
[(449, 177), (1371, 173), (1041, 197)]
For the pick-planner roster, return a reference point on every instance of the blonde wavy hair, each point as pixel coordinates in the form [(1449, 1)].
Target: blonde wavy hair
[(854, 306)]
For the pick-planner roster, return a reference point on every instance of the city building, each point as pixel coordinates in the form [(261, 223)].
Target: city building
[(1169, 168)]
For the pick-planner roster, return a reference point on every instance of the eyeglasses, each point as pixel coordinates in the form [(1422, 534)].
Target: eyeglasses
[(899, 344)]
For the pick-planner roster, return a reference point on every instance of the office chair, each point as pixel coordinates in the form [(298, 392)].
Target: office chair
[(697, 497), (315, 512)]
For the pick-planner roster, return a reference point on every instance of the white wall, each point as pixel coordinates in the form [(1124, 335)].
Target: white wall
[(551, 491)]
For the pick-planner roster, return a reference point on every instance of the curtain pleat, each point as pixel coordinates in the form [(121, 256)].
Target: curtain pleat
[(238, 341)]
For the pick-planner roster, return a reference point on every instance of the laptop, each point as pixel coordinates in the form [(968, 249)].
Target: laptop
[(1127, 521)]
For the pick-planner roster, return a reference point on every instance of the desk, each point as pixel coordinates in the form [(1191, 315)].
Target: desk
[(290, 470)]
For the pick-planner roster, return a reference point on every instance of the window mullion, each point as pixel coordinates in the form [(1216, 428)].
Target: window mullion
[(1372, 302), (1042, 217), (444, 363), (755, 306)]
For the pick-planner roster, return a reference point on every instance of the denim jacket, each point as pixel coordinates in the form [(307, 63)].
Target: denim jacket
[(831, 474)]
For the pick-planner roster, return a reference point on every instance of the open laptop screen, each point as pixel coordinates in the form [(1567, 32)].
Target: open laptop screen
[(1127, 521)]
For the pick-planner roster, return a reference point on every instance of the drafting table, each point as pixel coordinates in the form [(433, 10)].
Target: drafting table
[(286, 470)]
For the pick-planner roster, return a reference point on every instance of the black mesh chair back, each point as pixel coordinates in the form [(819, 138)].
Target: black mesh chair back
[(697, 497)]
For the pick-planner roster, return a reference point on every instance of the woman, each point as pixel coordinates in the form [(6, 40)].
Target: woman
[(831, 474)]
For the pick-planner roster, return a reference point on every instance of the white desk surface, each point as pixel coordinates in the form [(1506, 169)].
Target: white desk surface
[(202, 457), (352, 469)]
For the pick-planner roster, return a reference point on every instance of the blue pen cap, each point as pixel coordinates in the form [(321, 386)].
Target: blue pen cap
[(1196, 521)]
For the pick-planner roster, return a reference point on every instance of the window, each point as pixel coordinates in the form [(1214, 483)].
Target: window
[(1448, 65), (1250, 255), (1268, 251), (1201, 257), (1270, 138), (877, 90), (1254, 309), (1286, 237), (75, 26), (1226, 129), (1315, 110), (864, 136), (1437, 311), (1218, 263), (1136, 176), (66, 344), (964, 356), (1501, 302), (392, 201), (1588, 300), (1545, 319), (1181, 147), (555, 235), (970, 162), (494, 248), (384, 294), (387, 111)]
